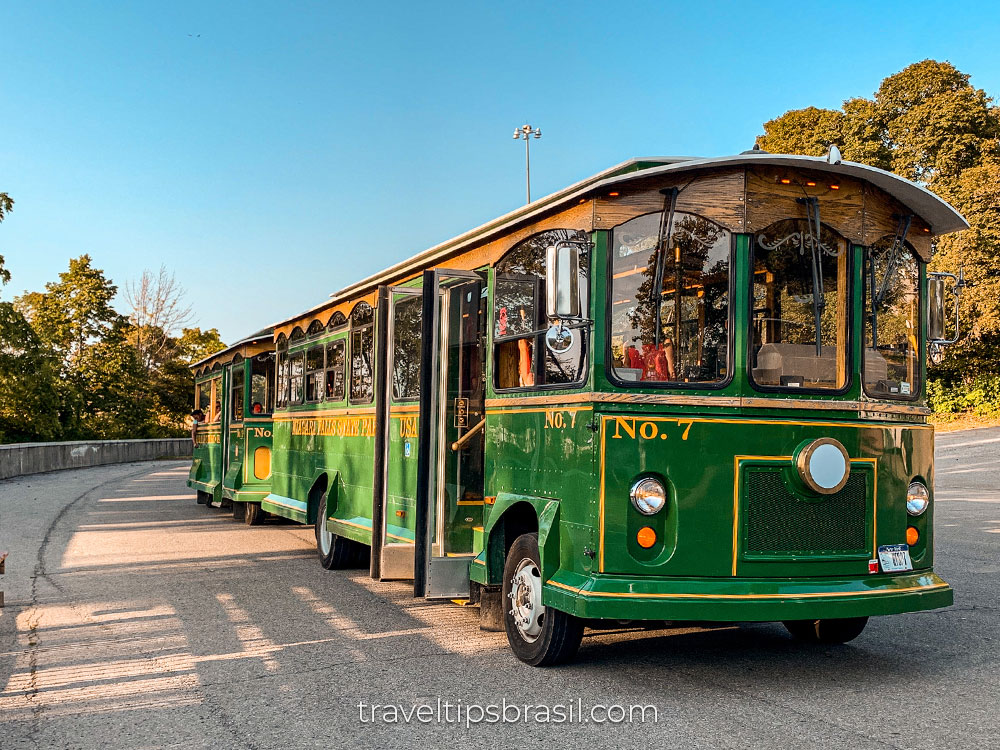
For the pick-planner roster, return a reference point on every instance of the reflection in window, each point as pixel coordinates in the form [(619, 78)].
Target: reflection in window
[(203, 398), (282, 396), (295, 378), (314, 373), (262, 384), (892, 321), (315, 328), (523, 360), (337, 320), (406, 319), (788, 350), (362, 353), (335, 370), (691, 304), (236, 402)]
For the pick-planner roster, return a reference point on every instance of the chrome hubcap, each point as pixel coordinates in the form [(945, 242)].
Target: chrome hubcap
[(526, 600), (325, 537)]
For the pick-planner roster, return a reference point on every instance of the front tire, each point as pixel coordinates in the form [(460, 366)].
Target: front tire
[(829, 631), (334, 551), (538, 635)]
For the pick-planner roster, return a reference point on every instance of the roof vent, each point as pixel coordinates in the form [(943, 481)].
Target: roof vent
[(755, 150)]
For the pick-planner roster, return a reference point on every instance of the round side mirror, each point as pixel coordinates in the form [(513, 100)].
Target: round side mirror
[(558, 339)]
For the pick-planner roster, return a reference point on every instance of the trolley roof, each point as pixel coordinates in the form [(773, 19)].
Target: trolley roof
[(265, 334), (938, 214)]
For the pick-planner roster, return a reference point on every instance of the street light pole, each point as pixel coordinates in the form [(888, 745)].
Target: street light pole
[(526, 132)]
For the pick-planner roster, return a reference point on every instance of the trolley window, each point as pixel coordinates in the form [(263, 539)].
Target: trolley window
[(670, 311), (362, 353), (315, 373), (521, 357), (281, 401), (800, 327), (203, 397), (335, 370), (262, 384), (295, 378), (407, 315), (236, 391), (891, 365)]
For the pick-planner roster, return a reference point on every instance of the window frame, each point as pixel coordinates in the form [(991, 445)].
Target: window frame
[(342, 340), (418, 297), (238, 362), (360, 329), (921, 323), (270, 395), (281, 400), (716, 385), (292, 355), (586, 337), (307, 372), (850, 323)]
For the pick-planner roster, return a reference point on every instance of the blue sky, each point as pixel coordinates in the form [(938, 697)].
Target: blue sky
[(293, 148)]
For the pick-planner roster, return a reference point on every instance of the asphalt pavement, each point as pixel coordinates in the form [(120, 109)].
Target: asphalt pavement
[(136, 618)]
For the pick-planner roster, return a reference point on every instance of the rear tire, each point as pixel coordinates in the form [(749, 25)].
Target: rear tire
[(829, 631), (334, 551), (253, 515), (538, 635)]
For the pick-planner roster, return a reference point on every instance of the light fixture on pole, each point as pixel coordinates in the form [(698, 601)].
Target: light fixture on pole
[(526, 132)]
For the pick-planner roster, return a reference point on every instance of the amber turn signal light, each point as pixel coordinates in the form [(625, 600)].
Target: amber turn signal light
[(912, 535), (646, 537)]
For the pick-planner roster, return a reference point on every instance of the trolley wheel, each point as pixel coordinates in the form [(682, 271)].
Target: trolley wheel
[(826, 631), (202, 497), (538, 635), (334, 551), (239, 510), (253, 514)]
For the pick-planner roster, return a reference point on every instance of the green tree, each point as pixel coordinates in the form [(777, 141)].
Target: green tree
[(195, 344), (73, 311), (29, 399), (6, 206)]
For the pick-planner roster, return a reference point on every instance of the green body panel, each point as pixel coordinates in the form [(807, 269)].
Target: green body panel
[(240, 483)]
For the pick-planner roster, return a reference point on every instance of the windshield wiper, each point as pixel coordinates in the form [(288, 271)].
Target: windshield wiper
[(878, 297), (662, 243), (818, 301)]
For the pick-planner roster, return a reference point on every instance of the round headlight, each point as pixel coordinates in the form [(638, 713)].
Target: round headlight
[(824, 465), (648, 496), (917, 498)]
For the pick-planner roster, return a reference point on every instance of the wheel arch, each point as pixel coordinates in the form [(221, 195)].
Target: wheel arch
[(514, 515)]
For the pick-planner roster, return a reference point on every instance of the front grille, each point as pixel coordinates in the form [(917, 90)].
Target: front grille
[(781, 523)]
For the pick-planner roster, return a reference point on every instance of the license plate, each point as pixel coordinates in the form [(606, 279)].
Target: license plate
[(895, 558)]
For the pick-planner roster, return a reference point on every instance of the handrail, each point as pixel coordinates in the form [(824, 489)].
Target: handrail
[(460, 443)]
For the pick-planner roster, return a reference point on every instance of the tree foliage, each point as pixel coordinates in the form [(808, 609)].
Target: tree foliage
[(71, 367), (930, 124)]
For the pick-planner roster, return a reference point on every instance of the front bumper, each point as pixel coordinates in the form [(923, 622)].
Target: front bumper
[(744, 599)]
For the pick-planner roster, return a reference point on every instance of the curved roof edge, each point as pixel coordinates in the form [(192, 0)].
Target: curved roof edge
[(937, 212), (264, 334), (941, 217)]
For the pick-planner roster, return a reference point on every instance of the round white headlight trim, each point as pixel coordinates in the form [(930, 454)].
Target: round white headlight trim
[(649, 496), (917, 498), (824, 466)]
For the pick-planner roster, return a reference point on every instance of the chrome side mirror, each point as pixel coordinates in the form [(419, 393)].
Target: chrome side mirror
[(562, 281), (936, 314)]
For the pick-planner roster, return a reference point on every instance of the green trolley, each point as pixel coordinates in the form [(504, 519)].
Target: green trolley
[(234, 398), (683, 389)]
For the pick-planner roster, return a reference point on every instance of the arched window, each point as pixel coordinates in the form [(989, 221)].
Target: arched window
[(891, 366), (337, 320), (669, 312), (315, 328), (800, 320), (297, 335), (521, 357), (362, 354)]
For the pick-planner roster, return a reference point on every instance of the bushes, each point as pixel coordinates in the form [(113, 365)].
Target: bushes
[(978, 394)]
